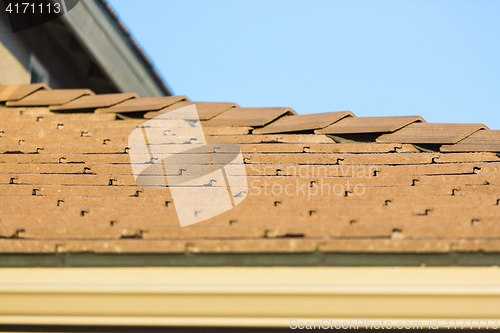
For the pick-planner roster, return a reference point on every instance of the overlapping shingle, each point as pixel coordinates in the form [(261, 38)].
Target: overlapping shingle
[(479, 141), (303, 123), (206, 111), (14, 93), (424, 133), (254, 117), (94, 102), (353, 125), (143, 104), (51, 97)]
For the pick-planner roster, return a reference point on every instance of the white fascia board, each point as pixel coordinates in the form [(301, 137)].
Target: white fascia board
[(246, 297)]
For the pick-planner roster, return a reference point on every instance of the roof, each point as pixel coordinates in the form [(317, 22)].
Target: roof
[(359, 189)]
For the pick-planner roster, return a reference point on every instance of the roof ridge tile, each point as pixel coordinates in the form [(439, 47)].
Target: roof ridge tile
[(17, 92), (431, 133), (51, 97), (254, 117), (357, 125), (307, 122), (143, 104), (94, 102)]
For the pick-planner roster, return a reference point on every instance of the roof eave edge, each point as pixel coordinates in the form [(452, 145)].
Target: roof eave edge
[(119, 57)]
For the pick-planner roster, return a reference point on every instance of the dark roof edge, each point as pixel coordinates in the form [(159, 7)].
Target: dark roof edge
[(252, 260), (135, 46)]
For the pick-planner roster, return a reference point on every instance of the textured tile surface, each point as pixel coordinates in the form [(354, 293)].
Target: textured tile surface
[(66, 185), (303, 123), (254, 117), (206, 111), (352, 125), (424, 133), (94, 102), (14, 93), (143, 104), (479, 141), (51, 97)]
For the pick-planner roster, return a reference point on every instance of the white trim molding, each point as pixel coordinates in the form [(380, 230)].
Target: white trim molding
[(245, 296)]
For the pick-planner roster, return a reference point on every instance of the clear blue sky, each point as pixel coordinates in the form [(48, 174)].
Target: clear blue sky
[(437, 59)]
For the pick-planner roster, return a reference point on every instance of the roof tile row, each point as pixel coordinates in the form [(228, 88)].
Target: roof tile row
[(411, 130)]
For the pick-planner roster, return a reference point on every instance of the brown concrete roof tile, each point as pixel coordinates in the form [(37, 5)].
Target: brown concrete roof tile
[(65, 149), (121, 246), (69, 140), (61, 124), (488, 168), (143, 104), (477, 245), (27, 246), (84, 190), (254, 246), (254, 117), (78, 201), (352, 125), (24, 111), (14, 93), (484, 140), (387, 246), (320, 148), (156, 232), (23, 133), (425, 133), (447, 200), (31, 117), (458, 180), (429, 191), (225, 130), (76, 233), (303, 123), (452, 232), (429, 169), (272, 138), (466, 157), (206, 111), (358, 148), (51, 97), (94, 102), (343, 159)]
